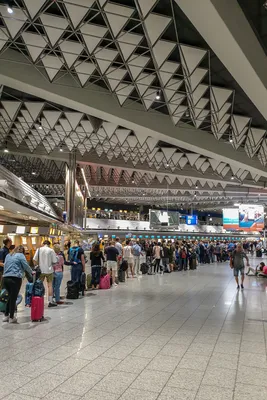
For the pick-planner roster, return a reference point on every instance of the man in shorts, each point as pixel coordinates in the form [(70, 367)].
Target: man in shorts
[(237, 263), (112, 254), (45, 258)]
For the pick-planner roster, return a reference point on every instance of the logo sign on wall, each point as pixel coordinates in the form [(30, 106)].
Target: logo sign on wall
[(191, 220), (251, 217)]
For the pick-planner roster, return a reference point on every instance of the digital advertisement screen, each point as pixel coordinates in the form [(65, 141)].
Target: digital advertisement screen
[(231, 218), (191, 220), (251, 217), (162, 218)]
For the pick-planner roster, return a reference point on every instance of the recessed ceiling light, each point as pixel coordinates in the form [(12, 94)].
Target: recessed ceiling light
[(6, 150), (10, 8), (158, 95), (18, 212), (232, 177), (33, 173)]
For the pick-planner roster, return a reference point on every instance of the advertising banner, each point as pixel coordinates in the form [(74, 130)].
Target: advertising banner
[(231, 218), (251, 217), (163, 218)]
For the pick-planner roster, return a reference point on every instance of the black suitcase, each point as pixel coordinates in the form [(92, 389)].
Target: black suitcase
[(193, 263), (121, 275), (83, 283), (207, 258), (144, 268), (73, 290), (258, 253)]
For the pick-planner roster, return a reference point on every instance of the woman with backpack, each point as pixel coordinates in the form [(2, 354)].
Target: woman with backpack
[(58, 273), (14, 268), (183, 258), (96, 257)]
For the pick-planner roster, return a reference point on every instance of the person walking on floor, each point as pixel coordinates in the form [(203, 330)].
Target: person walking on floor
[(77, 261), (127, 254), (112, 254), (14, 268), (3, 253), (237, 264), (45, 258), (97, 258), (157, 257)]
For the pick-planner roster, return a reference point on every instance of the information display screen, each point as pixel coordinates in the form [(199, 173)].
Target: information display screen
[(191, 220), (163, 218), (231, 218), (251, 217)]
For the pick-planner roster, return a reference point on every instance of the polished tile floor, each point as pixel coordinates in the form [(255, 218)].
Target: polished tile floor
[(183, 336)]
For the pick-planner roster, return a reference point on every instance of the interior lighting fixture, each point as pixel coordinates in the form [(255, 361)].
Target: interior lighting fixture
[(86, 183), (6, 149), (265, 4), (232, 177), (132, 180), (196, 186), (231, 140), (33, 173), (10, 8), (40, 125), (158, 96), (60, 149)]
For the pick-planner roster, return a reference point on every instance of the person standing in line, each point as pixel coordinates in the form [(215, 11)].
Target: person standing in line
[(183, 258), (201, 253), (165, 258), (58, 273), (77, 261), (45, 258), (237, 264), (157, 257), (118, 246), (14, 268), (127, 254), (136, 255), (96, 257), (112, 254), (3, 253)]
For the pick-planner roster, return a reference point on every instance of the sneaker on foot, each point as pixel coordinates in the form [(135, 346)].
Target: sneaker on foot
[(238, 287), (6, 318), (242, 287), (115, 284), (13, 320), (60, 302), (52, 304)]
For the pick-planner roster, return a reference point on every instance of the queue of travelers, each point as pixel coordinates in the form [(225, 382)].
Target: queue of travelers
[(159, 257)]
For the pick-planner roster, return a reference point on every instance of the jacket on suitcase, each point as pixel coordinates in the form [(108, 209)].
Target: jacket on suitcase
[(37, 308), (28, 294)]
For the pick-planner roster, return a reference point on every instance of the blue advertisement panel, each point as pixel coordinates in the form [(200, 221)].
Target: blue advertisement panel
[(191, 220), (251, 217)]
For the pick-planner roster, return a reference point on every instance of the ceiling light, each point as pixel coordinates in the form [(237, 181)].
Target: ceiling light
[(236, 204), (133, 181), (60, 149), (33, 173), (231, 140), (10, 8), (232, 177), (158, 95), (143, 194), (6, 150), (196, 186), (40, 125)]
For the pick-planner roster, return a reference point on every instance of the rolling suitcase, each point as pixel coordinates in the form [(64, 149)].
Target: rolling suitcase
[(121, 275), (37, 308), (83, 283), (258, 253)]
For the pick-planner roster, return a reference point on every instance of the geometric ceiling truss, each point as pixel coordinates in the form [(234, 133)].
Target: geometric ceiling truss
[(131, 48)]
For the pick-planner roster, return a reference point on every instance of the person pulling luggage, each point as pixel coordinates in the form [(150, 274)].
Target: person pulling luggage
[(14, 268)]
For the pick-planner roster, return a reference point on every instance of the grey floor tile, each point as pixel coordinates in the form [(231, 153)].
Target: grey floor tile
[(61, 353), (221, 360), (179, 338), (214, 393), (250, 392), (69, 366), (172, 393), (119, 352), (96, 395), (255, 376), (101, 365), (37, 367), (55, 395), (205, 338), (151, 381), (187, 379), (227, 348), (135, 394), (249, 347), (132, 341), (174, 350), (133, 364), (17, 396), (191, 361), (164, 363), (229, 337), (80, 383), (42, 385), (220, 377), (90, 352), (116, 382), (146, 350), (253, 360), (202, 349)]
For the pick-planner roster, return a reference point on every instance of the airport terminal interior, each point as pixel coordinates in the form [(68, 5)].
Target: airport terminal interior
[(133, 199)]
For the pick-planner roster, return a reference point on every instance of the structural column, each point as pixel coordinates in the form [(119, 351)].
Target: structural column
[(70, 188)]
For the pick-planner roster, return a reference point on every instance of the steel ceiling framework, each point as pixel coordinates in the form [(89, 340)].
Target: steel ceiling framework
[(132, 49)]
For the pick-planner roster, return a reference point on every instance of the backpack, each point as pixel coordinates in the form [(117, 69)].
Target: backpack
[(183, 254), (38, 289), (144, 268), (73, 290), (124, 265), (74, 255), (105, 282), (136, 250)]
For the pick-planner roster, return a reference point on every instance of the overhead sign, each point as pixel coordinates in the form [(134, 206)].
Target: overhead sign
[(191, 219), (251, 217), (231, 218)]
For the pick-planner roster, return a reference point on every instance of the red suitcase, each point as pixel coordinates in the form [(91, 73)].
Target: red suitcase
[(37, 308)]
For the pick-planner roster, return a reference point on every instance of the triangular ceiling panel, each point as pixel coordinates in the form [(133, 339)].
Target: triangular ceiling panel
[(71, 51), (192, 158), (52, 65), (52, 117), (33, 6), (146, 6), (117, 16), (34, 108), (162, 50), (105, 57), (128, 42), (167, 70), (136, 64), (84, 70), (92, 35), (11, 108), (35, 43), (74, 118), (155, 25), (13, 23), (77, 10), (220, 96), (191, 57), (123, 91), (54, 27)]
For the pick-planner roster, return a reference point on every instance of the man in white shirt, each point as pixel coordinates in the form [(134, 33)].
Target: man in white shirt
[(45, 258)]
